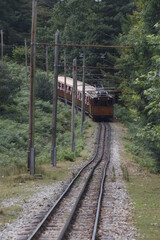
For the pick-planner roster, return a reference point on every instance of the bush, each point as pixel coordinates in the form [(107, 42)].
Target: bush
[(9, 85), (43, 87), (122, 113), (19, 55)]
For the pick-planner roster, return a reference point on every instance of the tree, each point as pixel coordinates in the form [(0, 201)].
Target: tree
[(43, 87), (150, 13), (89, 22), (9, 86), (15, 20), (141, 73)]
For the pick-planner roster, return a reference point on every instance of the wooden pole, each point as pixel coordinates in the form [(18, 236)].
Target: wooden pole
[(25, 43), (31, 152), (65, 69), (2, 46), (76, 103), (47, 61), (83, 97), (54, 114), (73, 108)]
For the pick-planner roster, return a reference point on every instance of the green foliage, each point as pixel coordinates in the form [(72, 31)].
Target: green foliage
[(125, 114), (143, 142), (125, 172), (140, 85), (151, 134), (89, 22), (9, 84), (14, 120), (143, 155), (19, 55), (150, 14), (43, 87), (15, 20)]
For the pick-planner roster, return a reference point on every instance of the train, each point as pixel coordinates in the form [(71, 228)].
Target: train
[(99, 104)]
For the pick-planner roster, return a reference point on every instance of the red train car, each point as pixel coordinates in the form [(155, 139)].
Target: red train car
[(98, 103)]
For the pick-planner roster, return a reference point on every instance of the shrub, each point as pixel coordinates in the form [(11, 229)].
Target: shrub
[(9, 85), (19, 55), (43, 87)]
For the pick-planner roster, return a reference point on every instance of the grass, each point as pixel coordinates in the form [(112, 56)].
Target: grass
[(14, 117), (8, 214), (143, 151), (143, 188), (14, 186), (15, 181), (141, 155), (125, 172), (22, 184), (145, 193)]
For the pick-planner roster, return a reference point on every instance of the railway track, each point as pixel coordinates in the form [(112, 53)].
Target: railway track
[(76, 213)]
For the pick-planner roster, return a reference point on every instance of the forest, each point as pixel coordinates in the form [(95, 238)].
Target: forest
[(134, 23)]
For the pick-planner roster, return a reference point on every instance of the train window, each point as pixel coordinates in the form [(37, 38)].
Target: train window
[(70, 90), (62, 86), (110, 102), (79, 96), (103, 103), (87, 100)]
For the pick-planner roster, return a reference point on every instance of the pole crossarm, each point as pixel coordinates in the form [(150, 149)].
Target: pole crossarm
[(84, 45)]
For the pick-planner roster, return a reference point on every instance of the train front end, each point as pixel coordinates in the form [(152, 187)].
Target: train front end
[(102, 106)]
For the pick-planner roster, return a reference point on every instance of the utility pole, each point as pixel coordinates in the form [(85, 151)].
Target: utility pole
[(54, 114), (65, 69), (47, 61), (25, 43), (76, 105), (83, 97), (73, 108), (31, 151), (2, 46)]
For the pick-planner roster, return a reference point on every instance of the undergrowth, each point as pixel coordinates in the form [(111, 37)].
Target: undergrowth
[(142, 152), (14, 124)]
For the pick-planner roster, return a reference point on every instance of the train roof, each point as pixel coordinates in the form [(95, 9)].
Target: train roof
[(91, 91)]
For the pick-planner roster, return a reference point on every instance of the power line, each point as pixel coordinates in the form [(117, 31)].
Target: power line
[(85, 45)]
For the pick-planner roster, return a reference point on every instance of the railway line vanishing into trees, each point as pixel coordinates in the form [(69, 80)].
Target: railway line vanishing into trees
[(76, 213)]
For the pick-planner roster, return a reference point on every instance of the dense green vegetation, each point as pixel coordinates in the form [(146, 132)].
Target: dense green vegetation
[(141, 77), (88, 22), (130, 22), (125, 22), (14, 124), (143, 187)]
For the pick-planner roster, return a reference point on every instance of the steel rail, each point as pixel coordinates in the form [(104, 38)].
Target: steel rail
[(102, 186), (68, 222), (35, 232)]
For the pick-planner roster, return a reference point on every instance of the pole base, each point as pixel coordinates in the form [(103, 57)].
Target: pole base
[(53, 156), (32, 161)]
